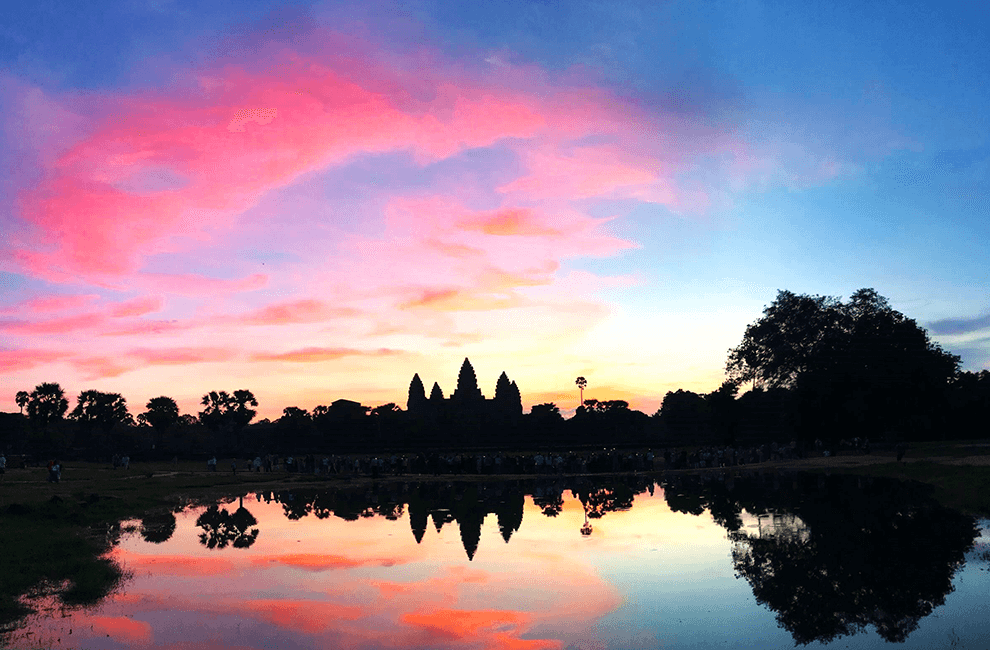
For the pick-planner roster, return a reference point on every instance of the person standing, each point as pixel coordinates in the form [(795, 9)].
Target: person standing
[(3, 465)]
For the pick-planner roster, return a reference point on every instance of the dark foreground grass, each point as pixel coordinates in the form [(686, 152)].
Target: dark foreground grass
[(154, 483)]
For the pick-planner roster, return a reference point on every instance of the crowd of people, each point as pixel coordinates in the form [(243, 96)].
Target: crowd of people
[(540, 463), (507, 463)]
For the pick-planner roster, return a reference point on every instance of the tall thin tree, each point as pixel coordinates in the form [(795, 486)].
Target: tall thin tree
[(581, 383), (22, 399)]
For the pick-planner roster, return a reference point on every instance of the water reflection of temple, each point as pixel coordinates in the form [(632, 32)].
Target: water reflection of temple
[(467, 505), (464, 504)]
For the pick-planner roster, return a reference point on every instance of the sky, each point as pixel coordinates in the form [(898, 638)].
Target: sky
[(314, 201)]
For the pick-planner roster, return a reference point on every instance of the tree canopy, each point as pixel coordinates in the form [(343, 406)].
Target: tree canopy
[(101, 410), (47, 404), (859, 363)]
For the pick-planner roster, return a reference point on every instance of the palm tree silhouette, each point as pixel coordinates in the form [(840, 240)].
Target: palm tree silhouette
[(581, 383), (22, 399)]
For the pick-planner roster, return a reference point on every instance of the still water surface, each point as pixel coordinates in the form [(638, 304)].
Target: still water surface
[(714, 562)]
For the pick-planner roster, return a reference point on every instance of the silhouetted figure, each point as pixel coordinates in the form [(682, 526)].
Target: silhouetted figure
[(54, 471)]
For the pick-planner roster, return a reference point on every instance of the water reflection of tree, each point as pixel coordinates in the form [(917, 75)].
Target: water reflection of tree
[(222, 528), (552, 504), (599, 500), (157, 527), (854, 553)]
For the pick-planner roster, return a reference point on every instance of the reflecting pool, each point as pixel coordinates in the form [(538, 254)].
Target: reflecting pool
[(760, 561)]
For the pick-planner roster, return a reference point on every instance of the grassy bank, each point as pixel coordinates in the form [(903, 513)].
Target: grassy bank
[(962, 487)]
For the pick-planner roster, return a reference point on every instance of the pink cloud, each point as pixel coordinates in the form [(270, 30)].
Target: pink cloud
[(91, 321), (460, 300), (513, 221), (100, 367), (240, 135), (43, 304), (312, 355), (181, 356), (191, 284), (54, 325), (136, 307), (243, 132), (586, 172), (103, 366), (146, 327), (454, 250), (298, 311), (14, 360)]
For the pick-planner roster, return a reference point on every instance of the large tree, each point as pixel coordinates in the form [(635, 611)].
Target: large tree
[(98, 414), (162, 415), (103, 410), (228, 414), (46, 409), (295, 427), (858, 367), (47, 405)]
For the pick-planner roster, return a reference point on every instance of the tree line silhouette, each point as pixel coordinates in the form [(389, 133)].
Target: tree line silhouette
[(816, 368)]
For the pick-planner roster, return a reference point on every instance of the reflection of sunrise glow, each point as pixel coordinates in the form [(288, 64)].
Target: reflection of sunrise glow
[(335, 579), (120, 628)]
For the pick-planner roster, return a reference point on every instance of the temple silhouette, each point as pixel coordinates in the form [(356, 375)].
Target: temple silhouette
[(467, 402)]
